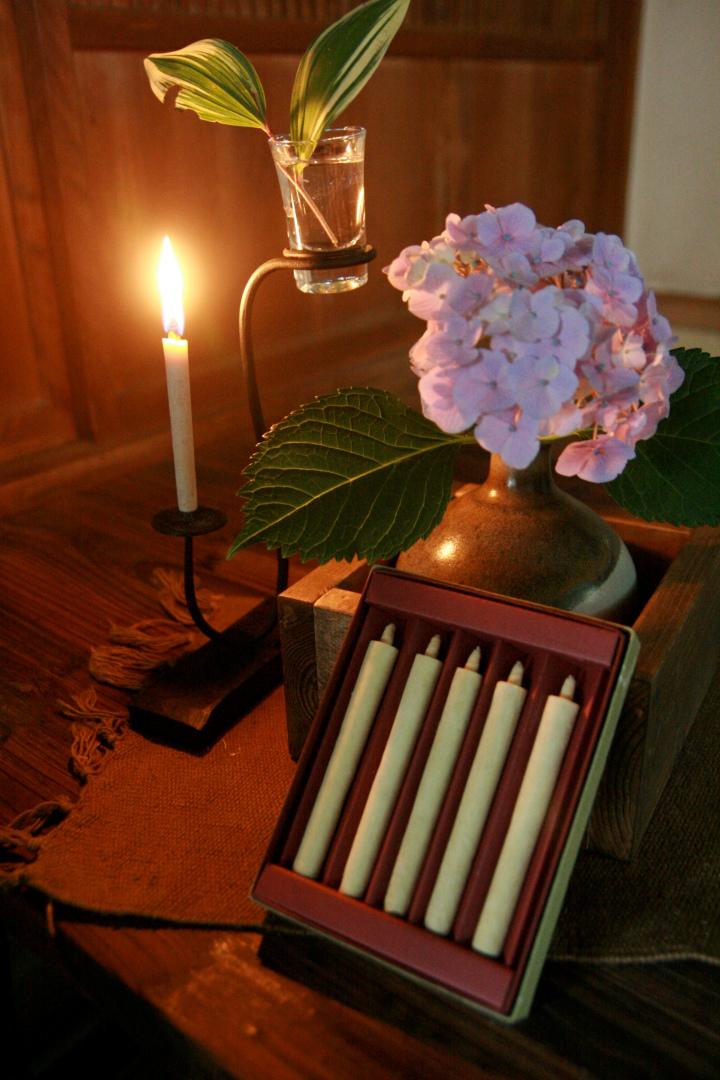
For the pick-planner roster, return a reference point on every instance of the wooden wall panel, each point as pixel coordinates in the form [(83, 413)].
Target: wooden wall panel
[(502, 29), (35, 408), (477, 102)]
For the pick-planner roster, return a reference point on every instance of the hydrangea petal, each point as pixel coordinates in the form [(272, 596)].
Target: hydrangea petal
[(596, 460)]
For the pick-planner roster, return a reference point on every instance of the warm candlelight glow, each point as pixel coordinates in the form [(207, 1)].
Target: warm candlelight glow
[(447, 549), (171, 290)]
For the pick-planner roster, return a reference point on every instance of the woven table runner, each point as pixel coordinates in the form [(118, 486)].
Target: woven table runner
[(164, 835)]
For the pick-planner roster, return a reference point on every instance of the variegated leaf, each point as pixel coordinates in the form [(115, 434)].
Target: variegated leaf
[(337, 65), (216, 81)]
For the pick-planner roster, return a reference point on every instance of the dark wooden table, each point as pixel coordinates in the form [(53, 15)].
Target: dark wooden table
[(203, 999)]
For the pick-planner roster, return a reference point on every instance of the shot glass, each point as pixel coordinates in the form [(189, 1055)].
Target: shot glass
[(324, 202)]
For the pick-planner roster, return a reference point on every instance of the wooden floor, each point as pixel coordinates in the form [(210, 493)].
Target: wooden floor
[(199, 1003), (55, 1030)]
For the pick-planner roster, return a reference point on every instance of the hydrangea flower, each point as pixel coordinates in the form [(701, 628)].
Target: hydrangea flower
[(535, 332)]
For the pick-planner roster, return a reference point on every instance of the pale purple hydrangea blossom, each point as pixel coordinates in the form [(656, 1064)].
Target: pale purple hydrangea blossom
[(535, 332)]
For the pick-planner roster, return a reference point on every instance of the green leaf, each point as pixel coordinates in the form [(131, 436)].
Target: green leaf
[(675, 475), (355, 472), (337, 65), (216, 81)]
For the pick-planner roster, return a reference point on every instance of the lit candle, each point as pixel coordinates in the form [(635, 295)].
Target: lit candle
[(505, 708), (532, 803), (449, 735), (365, 699), (177, 374), (410, 714)]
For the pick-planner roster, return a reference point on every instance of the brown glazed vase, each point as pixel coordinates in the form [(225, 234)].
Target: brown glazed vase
[(518, 534)]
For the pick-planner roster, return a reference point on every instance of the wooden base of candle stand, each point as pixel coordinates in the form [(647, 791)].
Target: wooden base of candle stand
[(189, 704)]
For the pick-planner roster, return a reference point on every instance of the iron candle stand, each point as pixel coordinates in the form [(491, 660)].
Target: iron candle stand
[(192, 701)]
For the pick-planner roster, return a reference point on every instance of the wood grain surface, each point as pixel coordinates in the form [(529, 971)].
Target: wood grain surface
[(475, 103), (83, 560)]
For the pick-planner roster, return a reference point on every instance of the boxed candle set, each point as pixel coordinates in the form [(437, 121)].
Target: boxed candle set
[(444, 788)]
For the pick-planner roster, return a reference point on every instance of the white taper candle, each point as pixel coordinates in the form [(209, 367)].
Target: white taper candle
[(177, 375), (365, 699), (531, 806), (413, 706), (505, 708), (464, 689)]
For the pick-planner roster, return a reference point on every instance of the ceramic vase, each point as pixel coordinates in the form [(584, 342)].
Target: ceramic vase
[(519, 535)]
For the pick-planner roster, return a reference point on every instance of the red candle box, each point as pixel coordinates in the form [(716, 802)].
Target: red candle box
[(551, 645)]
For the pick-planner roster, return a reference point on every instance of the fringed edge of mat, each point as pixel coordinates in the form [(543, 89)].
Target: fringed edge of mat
[(96, 727), (134, 652), (20, 841), (95, 730)]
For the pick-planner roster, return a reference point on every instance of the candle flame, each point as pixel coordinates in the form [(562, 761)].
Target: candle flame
[(171, 289)]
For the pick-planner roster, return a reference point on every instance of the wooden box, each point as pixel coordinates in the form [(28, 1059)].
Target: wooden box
[(308, 882), (678, 626)]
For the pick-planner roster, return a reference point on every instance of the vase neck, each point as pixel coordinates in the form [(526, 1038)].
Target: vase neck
[(536, 477)]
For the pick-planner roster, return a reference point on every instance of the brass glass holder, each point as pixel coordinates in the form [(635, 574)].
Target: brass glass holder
[(191, 702)]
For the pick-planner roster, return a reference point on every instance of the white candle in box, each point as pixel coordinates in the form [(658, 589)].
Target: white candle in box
[(433, 785), (365, 699), (505, 708), (177, 374), (413, 706), (532, 803)]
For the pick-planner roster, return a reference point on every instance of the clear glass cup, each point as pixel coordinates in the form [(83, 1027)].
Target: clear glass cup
[(324, 203)]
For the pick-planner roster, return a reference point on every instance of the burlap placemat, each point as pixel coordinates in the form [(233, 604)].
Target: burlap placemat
[(162, 834), (165, 835)]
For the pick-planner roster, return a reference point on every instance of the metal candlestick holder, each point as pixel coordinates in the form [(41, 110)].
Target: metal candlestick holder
[(191, 702)]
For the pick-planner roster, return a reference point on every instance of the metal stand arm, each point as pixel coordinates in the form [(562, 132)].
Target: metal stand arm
[(289, 260)]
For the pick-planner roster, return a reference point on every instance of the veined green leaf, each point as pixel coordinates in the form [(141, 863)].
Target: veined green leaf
[(355, 472), (216, 81), (337, 65), (675, 475)]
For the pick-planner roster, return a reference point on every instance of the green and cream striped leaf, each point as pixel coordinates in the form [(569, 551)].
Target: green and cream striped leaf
[(337, 65), (215, 81)]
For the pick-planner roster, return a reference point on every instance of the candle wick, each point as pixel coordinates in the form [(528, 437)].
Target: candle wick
[(473, 661), (516, 673), (388, 634), (568, 688), (433, 646)]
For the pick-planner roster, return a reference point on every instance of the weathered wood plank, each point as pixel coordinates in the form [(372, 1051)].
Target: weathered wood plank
[(297, 641), (332, 615)]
